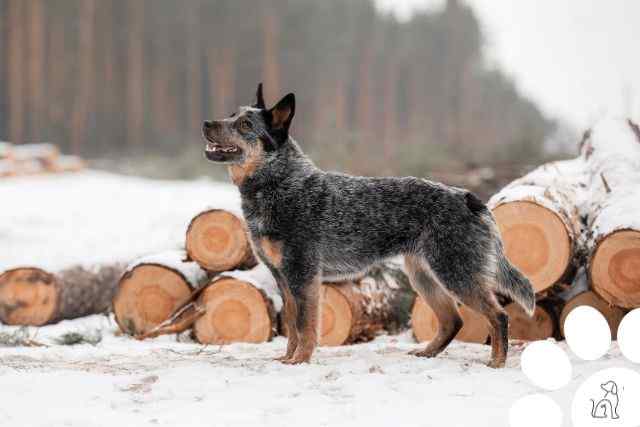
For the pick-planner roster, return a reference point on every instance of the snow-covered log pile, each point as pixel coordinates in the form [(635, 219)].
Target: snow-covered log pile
[(34, 159), (579, 213), (612, 153)]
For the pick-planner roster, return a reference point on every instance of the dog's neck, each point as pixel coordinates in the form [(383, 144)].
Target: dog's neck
[(273, 169)]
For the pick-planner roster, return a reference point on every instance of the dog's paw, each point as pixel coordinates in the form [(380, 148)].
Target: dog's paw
[(424, 353), (296, 360), (496, 364), (282, 358)]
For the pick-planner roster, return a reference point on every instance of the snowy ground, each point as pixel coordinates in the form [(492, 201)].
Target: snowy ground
[(57, 221)]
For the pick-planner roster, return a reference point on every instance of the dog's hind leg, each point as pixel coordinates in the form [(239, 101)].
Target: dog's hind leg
[(486, 303), (427, 285)]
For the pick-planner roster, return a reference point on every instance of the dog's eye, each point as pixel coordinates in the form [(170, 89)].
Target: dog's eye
[(245, 125)]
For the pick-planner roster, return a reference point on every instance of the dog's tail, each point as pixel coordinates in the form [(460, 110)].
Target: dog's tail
[(513, 284), (510, 281)]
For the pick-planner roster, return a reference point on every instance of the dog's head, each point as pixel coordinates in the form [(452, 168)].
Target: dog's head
[(610, 387), (244, 137)]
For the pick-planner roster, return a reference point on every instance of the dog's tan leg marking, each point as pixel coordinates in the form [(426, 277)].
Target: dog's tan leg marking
[(484, 302), (309, 332), (290, 313), (252, 161), (272, 250), (443, 305)]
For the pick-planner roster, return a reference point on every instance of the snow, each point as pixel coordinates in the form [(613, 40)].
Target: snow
[(261, 278), (55, 221), (174, 260), (121, 381), (614, 158)]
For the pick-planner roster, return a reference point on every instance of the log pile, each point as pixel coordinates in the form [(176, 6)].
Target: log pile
[(36, 159), (573, 228)]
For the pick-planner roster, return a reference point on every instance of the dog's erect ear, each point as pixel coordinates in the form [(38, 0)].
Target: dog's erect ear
[(283, 112), (259, 98)]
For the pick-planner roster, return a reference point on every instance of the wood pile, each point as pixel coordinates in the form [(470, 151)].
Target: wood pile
[(573, 228), (36, 159)]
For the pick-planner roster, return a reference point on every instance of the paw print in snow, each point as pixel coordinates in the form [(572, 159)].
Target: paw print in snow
[(610, 397)]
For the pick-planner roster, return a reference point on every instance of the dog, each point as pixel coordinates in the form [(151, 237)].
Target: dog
[(308, 225), (608, 405)]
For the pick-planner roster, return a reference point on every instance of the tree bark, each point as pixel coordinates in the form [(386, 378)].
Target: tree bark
[(32, 296)]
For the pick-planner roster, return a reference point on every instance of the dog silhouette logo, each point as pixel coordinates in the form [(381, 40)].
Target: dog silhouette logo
[(607, 407)]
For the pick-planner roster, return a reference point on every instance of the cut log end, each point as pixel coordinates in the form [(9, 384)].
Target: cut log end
[(235, 311), (336, 317), (425, 324), (217, 240), (28, 296), (535, 240), (613, 314), (523, 327), (146, 296), (615, 269)]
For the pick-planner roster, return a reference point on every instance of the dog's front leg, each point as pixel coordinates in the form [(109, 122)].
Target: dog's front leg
[(289, 317), (305, 289)]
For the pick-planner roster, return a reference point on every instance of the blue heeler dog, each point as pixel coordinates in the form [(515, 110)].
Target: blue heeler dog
[(307, 225)]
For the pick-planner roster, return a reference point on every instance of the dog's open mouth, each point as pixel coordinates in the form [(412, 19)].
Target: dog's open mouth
[(213, 147)]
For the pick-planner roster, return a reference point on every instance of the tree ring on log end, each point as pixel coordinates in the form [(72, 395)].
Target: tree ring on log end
[(217, 240), (147, 295), (28, 296), (536, 241), (235, 311), (523, 327), (612, 314), (425, 324), (336, 317), (615, 268)]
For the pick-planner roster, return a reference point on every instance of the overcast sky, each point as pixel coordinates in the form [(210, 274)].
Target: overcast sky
[(579, 59)]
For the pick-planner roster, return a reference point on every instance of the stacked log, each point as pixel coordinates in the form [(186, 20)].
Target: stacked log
[(358, 311), (239, 306), (612, 151), (217, 240), (35, 158), (539, 221), (35, 297), (152, 288), (424, 322), (540, 326)]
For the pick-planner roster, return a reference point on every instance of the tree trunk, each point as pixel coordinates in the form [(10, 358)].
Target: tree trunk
[(612, 152), (85, 88), (152, 288), (217, 240), (239, 306), (358, 311), (15, 71), (539, 221), (32, 296), (475, 327)]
